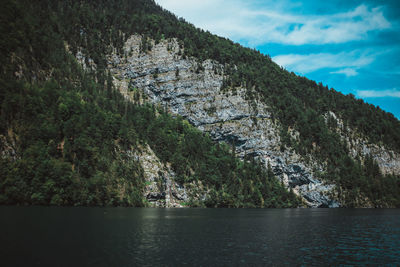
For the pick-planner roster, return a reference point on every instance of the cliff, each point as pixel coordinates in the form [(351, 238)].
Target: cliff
[(121, 103), (193, 89)]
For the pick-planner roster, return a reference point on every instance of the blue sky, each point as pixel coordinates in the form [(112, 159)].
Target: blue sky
[(352, 46)]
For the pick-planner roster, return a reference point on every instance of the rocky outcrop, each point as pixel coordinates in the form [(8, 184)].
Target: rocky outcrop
[(388, 160), (161, 189), (192, 90), (8, 146)]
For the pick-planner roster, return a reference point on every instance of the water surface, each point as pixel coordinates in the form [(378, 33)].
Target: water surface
[(53, 236)]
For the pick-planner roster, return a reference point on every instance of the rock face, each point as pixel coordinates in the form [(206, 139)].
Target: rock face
[(388, 160), (8, 146), (192, 90), (161, 190)]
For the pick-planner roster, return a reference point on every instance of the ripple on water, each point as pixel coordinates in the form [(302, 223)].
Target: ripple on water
[(172, 237)]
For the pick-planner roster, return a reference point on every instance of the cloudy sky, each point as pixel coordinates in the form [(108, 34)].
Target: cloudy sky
[(352, 46)]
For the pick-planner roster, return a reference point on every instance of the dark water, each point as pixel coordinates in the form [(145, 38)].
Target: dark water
[(46, 236)]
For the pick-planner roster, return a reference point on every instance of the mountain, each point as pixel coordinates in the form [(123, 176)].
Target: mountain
[(121, 103)]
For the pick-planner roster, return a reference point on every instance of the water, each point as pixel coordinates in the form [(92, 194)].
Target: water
[(50, 236)]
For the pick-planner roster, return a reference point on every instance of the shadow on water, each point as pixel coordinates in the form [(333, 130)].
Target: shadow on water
[(56, 236)]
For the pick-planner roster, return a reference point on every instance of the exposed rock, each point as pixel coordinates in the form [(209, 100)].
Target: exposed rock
[(161, 189), (86, 62), (388, 160), (179, 85), (8, 146)]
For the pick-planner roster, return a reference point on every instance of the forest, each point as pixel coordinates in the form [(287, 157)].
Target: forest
[(72, 130), (68, 124)]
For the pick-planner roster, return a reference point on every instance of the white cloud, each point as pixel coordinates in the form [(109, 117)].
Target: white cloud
[(238, 20), (312, 62), (378, 93), (349, 72)]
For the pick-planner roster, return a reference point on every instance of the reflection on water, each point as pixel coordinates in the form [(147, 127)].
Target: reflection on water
[(146, 237)]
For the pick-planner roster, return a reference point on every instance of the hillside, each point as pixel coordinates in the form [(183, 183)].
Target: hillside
[(121, 103)]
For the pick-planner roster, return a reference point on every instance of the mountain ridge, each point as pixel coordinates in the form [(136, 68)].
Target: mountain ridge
[(340, 137), (194, 95)]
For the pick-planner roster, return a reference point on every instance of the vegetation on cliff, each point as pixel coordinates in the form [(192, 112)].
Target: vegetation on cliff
[(72, 136), (48, 100)]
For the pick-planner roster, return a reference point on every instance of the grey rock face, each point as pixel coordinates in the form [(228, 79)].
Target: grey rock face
[(388, 160), (317, 197), (161, 189), (8, 147), (179, 85)]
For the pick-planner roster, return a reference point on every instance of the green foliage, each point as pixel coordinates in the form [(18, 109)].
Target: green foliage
[(194, 157), (68, 150), (71, 125), (75, 133)]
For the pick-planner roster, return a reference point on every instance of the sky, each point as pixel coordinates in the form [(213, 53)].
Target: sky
[(352, 46)]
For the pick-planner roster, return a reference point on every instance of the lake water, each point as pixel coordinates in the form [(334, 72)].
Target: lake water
[(53, 236)]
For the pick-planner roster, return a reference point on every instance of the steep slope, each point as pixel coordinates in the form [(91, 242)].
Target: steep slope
[(192, 89), (331, 149), (68, 138)]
